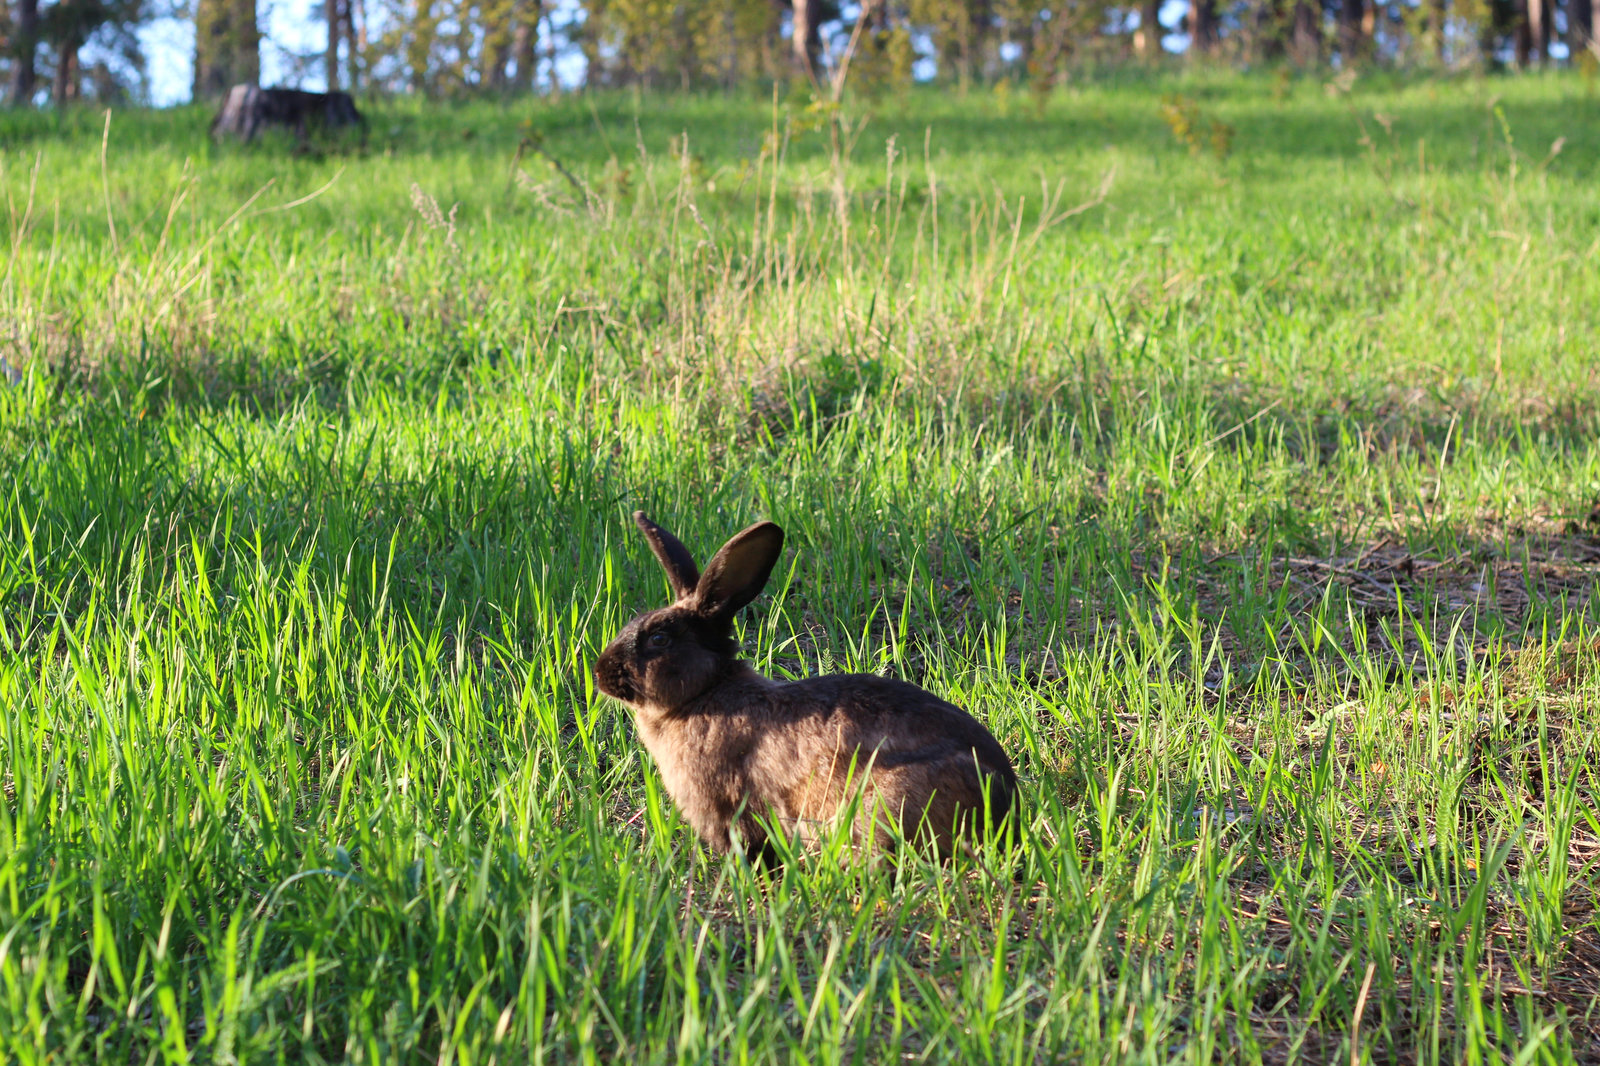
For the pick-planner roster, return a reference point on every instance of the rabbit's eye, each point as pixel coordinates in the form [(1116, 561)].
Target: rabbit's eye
[(657, 640)]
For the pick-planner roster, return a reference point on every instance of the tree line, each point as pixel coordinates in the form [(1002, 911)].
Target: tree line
[(444, 48)]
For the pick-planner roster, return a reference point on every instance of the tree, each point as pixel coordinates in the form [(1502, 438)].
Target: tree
[(961, 28), (446, 47), (1286, 28), (494, 56), (68, 24), (1532, 40), (422, 31), (1148, 40), (1305, 32), (675, 42), (1352, 30), (227, 46), (1580, 25), (525, 41), (358, 40), (806, 36), (337, 14), (27, 45), (1203, 26), (1435, 28)]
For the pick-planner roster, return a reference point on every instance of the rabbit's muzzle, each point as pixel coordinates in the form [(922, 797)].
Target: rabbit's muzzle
[(613, 677)]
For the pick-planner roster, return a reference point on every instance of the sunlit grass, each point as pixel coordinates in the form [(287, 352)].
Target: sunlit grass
[(1251, 507)]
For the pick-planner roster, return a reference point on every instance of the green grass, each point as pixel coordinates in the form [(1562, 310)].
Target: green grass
[(1252, 507)]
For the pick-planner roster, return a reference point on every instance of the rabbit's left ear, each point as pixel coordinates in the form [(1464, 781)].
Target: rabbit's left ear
[(739, 571), (671, 554)]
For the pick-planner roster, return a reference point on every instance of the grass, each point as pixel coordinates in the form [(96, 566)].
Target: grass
[(1251, 505)]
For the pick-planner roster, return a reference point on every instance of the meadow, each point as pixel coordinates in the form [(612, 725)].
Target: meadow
[(1226, 443)]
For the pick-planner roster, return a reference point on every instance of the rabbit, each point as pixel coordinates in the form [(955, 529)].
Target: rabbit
[(736, 749)]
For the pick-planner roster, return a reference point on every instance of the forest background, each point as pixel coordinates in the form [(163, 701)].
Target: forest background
[(110, 50)]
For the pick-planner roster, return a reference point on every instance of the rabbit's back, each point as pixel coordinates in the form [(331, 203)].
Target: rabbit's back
[(898, 747), (899, 721)]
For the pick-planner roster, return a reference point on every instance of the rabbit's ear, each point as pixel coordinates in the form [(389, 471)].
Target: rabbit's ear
[(671, 554), (737, 573)]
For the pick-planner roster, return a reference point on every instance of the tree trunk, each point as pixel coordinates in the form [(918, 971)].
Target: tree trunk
[(963, 44), (357, 13), (1305, 36), (730, 53), (550, 52), (523, 40), (27, 43), (495, 53), (1204, 27), (1524, 35), (806, 40), (1148, 41), (683, 47), (980, 33), (65, 88), (1580, 25), (335, 28), (419, 51), (1436, 17), (1539, 14), (525, 43), (1269, 31), (227, 46), (496, 57), (1352, 38)]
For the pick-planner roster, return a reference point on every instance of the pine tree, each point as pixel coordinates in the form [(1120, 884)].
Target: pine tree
[(26, 44)]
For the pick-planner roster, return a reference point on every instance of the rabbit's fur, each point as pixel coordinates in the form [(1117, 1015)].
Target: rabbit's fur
[(736, 748)]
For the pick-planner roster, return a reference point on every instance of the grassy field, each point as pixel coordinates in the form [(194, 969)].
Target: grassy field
[(1250, 495)]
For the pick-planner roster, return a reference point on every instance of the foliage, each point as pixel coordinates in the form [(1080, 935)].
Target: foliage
[(458, 48), (1183, 117)]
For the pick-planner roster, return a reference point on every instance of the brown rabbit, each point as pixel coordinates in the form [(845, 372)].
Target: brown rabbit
[(736, 748)]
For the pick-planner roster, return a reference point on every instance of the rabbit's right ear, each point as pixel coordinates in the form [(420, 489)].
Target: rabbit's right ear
[(739, 571), (671, 554)]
